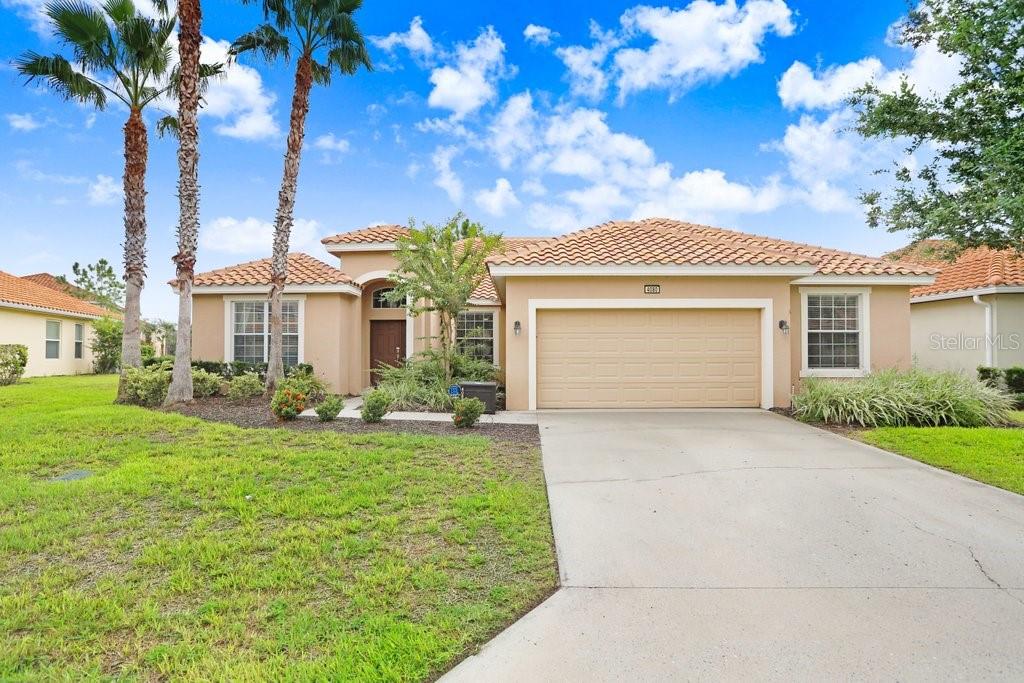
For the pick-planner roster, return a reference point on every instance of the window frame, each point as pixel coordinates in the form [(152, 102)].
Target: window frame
[(494, 330), (47, 338), (229, 324), (864, 330), (390, 307), (79, 341)]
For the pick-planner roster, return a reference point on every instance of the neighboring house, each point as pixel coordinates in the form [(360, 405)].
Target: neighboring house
[(651, 313), (55, 326), (53, 282), (973, 314)]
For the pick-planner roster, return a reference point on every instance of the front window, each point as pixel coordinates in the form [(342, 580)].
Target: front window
[(833, 331), (251, 331), (381, 300), (79, 341), (52, 339), (474, 334)]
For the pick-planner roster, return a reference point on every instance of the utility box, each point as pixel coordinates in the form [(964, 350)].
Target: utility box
[(485, 391)]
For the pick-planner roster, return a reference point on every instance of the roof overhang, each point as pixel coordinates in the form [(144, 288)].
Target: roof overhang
[(339, 288), (911, 280), (967, 293), (653, 269), (484, 302), (360, 246), (49, 311)]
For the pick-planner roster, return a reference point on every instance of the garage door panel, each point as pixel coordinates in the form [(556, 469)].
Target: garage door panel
[(648, 358)]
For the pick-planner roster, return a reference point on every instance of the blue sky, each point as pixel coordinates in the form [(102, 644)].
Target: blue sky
[(532, 118)]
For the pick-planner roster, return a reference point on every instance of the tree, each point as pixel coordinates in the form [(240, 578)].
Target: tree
[(438, 269), (325, 36), (100, 282), (972, 191), (106, 344), (116, 52)]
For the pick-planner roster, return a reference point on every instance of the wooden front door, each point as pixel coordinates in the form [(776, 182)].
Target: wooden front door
[(387, 344)]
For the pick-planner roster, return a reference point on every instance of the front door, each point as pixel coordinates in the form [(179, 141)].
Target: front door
[(387, 344)]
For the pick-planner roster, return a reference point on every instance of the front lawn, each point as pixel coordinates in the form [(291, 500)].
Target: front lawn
[(989, 454), (199, 550)]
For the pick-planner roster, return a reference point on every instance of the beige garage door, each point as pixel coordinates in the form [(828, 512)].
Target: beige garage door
[(692, 358)]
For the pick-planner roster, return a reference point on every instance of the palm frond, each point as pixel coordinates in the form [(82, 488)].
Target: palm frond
[(207, 73), (265, 41), (82, 27), (348, 57), (168, 126), (120, 11), (62, 77), (321, 72)]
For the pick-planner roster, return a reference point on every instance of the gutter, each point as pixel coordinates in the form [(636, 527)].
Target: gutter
[(989, 350)]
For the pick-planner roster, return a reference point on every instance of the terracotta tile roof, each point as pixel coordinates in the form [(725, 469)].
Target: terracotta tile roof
[(24, 292), (973, 269), (376, 233), (486, 289), (51, 281), (303, 269), (932, 253), (665, 241)]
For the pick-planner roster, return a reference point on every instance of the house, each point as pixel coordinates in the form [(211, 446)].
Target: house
[(973, 314), (639, 314), (55, 326)]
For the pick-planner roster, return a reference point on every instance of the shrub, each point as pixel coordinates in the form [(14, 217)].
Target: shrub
[(157, 360), (287, 404), (330, 407), (106, 344), (246, 385), (298, 367), (892, 398), (993, 377), (467, 411), (419, 383), (306, 383), (205, 383), (13, 359), (148, 352), (147, 386), (1018, 401), (1014, 380), (213, 366), (239, 367), (375, 406)]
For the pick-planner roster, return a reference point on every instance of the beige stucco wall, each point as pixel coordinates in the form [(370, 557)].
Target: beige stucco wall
[(1009, 330), (29, 328), (518, 292), (357, 263), (948, 334)]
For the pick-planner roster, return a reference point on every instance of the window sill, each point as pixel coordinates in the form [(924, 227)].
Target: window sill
[(838, 372)]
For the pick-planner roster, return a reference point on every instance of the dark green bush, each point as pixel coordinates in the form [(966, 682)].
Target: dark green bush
[(213, 366), (376, 405), (247, 385), (993, 377), (157, 360), (205, 383), (466, 411), (1014, 379), (13, 359), (330, 407)]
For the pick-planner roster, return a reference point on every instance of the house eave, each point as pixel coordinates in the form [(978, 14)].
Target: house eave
[(344, 247), (967, 293), (641, 270), (912, 280), (288, 289), (49, 311)]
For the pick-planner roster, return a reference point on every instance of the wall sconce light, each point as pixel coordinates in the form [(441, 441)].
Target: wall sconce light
[(517, 327), (784, 326)]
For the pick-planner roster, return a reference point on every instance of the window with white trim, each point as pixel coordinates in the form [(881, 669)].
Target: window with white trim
[(474, 334), (53, 339), (79, 341), (250, 324), (834, 331), (381, 300)]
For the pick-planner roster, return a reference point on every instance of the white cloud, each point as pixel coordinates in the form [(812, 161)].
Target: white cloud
[(533, 187), (90, 120), (28, 171), (499, 200), (701, 42), (254, 237), (538, 35), (468, 83), (446, 178), (513, 130), (416, 40), (238, 98), (331, 146), (585, 65), (23, 122), (707, 193), (821, 154), (104, 190)]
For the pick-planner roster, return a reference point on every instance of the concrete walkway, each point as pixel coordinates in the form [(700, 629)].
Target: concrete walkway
[(741, 544)]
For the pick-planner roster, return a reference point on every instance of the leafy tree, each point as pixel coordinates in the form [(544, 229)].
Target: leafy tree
[(438, 269), (117, 52), (326, 38), (106, 344), (100, 282), (972, 192)]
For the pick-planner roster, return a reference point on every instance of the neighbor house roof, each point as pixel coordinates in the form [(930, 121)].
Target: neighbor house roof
[(19, 292), (303, 269), (663, 241), (972, 270), (53, 282), (373, 234)]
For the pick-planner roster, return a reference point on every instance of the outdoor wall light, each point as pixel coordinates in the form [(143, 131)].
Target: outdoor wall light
[(517, 327), (784, 326)]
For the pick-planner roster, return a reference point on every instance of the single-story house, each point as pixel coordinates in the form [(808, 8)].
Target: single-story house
[(55, 326), (639, 314), (973, 314)]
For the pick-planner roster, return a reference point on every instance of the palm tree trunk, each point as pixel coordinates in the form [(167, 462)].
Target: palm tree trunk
[(135, 158), (189, 38), (285, 212)]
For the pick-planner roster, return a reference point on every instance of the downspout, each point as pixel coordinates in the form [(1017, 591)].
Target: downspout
[(989, 355)]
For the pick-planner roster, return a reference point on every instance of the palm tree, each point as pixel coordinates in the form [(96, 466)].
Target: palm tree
[(310, 28), (116, 52)]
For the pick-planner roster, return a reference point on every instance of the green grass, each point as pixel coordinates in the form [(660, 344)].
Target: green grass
[(989, 454), (1017, 416), (200, 551)]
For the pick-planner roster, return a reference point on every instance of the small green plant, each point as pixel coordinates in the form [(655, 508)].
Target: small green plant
[(13, 359), (246, 385), (287, 404), (1014, 379), (147, 386), (205, 383), (106, 344), (376, 404), (330, 407), (467, 411), (157, 360), (306, 383)]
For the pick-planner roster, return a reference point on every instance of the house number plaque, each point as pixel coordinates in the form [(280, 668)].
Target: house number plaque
[(652, 289)]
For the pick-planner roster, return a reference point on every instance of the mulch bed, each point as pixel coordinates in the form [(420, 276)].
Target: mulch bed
[(256, 413)]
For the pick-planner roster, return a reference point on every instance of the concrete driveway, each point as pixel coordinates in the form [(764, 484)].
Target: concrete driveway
[(741, 544)]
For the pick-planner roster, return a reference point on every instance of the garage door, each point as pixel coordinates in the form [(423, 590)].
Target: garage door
[(690, 358)]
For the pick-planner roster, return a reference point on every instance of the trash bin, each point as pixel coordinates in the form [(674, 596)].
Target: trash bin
[(485, 391)]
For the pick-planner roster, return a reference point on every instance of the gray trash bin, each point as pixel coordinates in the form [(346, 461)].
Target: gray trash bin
[(485, 391)]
